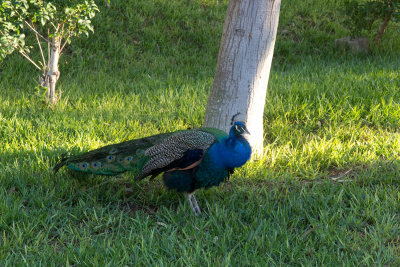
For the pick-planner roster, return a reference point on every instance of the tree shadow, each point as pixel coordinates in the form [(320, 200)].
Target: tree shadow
[(123, 193)]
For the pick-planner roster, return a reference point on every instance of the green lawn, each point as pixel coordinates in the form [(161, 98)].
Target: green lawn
[(326, 192)]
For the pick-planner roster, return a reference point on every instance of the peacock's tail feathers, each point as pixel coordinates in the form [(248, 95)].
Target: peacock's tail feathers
[(112, 159), (64, 159)]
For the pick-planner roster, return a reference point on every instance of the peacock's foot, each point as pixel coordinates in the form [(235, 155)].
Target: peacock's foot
[(193, 203)]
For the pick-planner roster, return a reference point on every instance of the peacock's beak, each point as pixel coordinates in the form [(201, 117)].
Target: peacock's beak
[(247, 131)]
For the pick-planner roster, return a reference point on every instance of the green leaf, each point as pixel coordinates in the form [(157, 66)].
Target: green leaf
[(75, 16)]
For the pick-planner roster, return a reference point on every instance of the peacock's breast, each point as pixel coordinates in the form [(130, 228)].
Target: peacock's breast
[(241, 154), (235, 153), (212, 170)]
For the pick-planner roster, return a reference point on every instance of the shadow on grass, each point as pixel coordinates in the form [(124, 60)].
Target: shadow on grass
[(22, 176)]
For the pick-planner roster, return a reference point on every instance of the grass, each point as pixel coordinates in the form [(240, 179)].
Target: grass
[(326, 192)]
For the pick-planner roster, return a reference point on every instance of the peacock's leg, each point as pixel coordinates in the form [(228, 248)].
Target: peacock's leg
[(193, 204), (196, 206)]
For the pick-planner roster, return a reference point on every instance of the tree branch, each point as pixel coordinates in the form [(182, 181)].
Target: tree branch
[(48, 46), (56, 28), (28, 58), (41, 51), (35, 31), (66, 40)]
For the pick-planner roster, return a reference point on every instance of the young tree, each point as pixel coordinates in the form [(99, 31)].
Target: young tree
[(49, 22), (244, 62)]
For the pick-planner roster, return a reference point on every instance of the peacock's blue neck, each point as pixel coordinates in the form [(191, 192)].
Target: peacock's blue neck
[(231, 152)]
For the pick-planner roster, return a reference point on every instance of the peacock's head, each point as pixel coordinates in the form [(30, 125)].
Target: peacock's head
[(238, 129)]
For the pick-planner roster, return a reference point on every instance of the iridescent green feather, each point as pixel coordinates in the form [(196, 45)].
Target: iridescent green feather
[(113, 159), (218, 134)]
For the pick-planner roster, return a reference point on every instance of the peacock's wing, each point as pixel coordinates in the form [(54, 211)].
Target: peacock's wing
[(181, 150)]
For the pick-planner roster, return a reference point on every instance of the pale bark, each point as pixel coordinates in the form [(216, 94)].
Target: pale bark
[(52, 72), (244, 62)]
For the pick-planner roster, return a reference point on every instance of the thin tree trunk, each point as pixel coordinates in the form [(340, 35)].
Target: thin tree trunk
[(383, 27), (244, 62), (53, 73)]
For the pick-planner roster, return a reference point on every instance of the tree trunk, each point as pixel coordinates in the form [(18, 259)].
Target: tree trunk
[(244, 62), (52, 72), (383, 27)]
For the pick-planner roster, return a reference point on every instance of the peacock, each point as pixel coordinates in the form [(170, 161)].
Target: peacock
[(189, 159)]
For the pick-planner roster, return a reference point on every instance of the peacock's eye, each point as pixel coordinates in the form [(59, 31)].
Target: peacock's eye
[(83, 166), (128, 159)]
